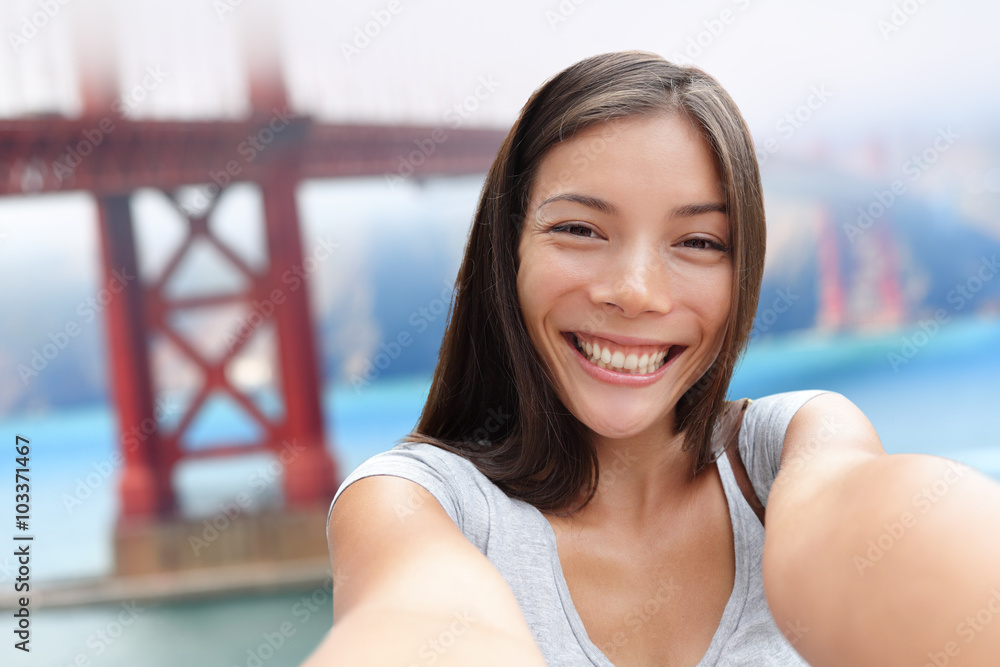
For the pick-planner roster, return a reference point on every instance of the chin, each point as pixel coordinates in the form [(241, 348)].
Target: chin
[(608, 421)]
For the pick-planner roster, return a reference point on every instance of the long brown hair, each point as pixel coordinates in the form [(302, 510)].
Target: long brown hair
[(491, 399)]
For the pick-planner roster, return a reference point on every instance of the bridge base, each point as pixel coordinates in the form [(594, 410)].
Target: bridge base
[(149, 546)]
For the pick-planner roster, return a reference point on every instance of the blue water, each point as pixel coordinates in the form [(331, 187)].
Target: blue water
[(943, 401)]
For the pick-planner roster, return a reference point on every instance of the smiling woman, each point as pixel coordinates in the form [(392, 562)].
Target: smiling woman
[(608, 289), (582, 146), (639, 240)]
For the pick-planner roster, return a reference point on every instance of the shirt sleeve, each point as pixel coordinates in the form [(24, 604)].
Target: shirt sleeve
[(429, 466), (762, 435)]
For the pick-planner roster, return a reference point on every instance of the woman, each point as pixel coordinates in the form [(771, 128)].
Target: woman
[(565, 499)]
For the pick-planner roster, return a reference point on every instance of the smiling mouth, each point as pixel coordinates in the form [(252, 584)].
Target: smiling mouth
[(623, 359)]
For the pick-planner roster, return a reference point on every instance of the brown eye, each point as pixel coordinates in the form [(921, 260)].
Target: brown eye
[(575, 230), (703, 244)]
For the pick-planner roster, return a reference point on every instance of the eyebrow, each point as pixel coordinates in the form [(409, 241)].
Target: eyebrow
[(585, 200), (688, 210)]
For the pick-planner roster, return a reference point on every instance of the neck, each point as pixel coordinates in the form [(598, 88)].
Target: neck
[(641, 476)]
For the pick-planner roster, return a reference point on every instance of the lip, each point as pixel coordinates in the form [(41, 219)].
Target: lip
[(628, 341), (613, 377)]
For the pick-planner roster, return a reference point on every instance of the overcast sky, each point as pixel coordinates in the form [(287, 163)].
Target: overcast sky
[(940, 61), (883, 70)]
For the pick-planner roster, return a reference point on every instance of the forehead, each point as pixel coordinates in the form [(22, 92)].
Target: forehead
[(655, 157)]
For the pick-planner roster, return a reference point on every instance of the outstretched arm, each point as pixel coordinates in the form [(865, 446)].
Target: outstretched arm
[(414, 590), (878, 559)]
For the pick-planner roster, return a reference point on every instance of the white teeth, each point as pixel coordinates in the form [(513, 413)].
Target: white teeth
[(618, 361), (631, 362)]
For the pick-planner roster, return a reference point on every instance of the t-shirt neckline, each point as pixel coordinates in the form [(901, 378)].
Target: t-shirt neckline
[(730, 614)]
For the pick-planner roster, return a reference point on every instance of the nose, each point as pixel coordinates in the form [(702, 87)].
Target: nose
[(636, 282)]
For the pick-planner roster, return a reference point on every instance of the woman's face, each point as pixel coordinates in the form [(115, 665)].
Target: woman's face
[(625, 275)]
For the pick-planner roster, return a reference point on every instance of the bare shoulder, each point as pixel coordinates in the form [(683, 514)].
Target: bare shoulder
[(394, 547), (827, 438), (828, 425)]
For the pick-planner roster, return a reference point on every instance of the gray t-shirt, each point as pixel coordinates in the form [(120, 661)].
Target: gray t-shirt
[(520, 543)]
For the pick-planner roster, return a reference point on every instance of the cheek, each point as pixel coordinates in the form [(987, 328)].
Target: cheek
[(721, 295), (716, 305), (707, 294), (529, 293), (545, 288)]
